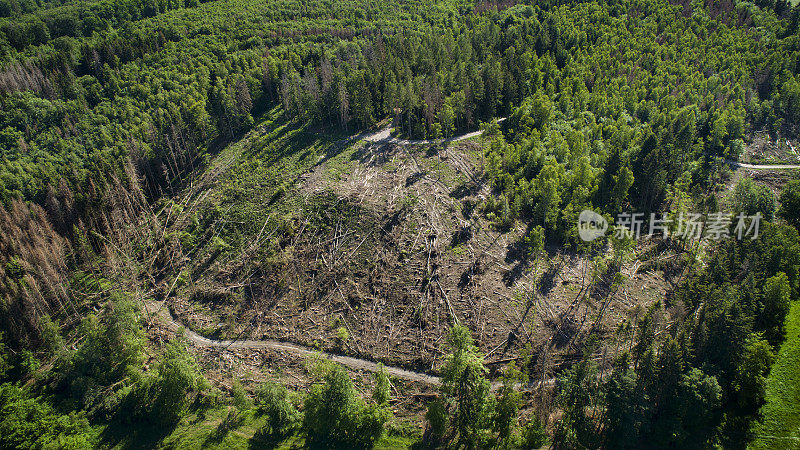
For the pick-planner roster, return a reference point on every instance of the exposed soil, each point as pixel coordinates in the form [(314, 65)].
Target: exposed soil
[(765, 150), (389, 247)]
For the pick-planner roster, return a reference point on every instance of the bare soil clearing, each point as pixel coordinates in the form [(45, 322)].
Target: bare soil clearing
[(385, 242), (764, 152), (352, 363)]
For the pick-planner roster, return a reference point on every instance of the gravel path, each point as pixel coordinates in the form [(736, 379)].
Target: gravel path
[(737, 164), (353, 363), (384, 135)]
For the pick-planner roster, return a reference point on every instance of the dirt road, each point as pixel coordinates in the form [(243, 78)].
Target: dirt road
[(737, 165), (384, 135), (354, 363), (160, 310)]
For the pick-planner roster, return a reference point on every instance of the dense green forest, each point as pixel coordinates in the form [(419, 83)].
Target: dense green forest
[(111, 110)]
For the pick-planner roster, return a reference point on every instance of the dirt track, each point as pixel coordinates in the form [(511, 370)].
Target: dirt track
[(384, 135), (157, 308), (737, 164), (353, 363), (165, 315)]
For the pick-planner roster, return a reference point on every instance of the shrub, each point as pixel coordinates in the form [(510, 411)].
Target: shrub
[(381, 392), (52, 341), (218, 245), (27, 422), (534, 434), (751, 198), (790, 203), (466, 408), (775, 306), (112, 348), (336, 416), (273, 400), (162, 398), (240, 398), (342, 336), (437, 419), (5, 357)]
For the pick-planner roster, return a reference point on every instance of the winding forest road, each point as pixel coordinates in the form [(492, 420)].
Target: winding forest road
[(738, 165), (155, 308), (382, 135), (159, 309), (385, 135)]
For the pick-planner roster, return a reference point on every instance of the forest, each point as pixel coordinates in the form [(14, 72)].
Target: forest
[(161, 153)]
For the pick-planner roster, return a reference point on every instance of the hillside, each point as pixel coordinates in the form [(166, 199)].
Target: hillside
[(453, 224)]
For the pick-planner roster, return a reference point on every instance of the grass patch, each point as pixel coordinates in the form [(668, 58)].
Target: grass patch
[(204, 431), (780, 424)]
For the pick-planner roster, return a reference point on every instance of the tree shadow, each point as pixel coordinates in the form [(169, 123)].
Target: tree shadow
[(548, 280), (461, 235), (265, 438), (412, 179), (233, 420), (510, 277), (466, 189), (119, 434), (566, 328), (516, 252), (372, 154), (433, 150), (392, 220), (602, 287)]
